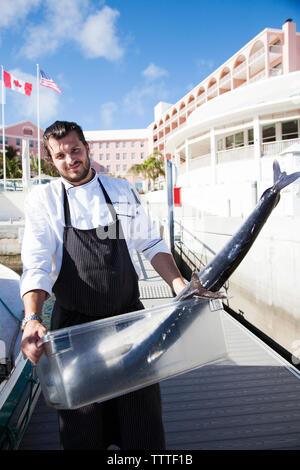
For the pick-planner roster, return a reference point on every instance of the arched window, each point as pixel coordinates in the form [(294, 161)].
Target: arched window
[(225, 80), (257, 61), (239, 71)]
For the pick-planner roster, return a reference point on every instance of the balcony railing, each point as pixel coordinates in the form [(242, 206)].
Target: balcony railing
[(238, 153), (257, 55), (275, 148), (225, 80), (257, 77), (275, 48), (240, 68)]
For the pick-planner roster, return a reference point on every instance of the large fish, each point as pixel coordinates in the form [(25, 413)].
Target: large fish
[(211, 278), (132, 351)]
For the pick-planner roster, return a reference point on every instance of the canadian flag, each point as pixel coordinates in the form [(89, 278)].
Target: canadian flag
[(15, 84)]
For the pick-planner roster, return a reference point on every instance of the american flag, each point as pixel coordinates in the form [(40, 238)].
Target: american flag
[(48, 82)]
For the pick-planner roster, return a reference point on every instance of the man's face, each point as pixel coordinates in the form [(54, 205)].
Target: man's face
[(71, 158)]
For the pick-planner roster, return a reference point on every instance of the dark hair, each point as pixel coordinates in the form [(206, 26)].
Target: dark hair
[(60, 129)]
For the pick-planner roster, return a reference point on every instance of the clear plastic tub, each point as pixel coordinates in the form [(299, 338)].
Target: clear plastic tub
[(96, 361)]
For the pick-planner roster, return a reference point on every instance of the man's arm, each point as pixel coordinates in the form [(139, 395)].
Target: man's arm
[(164, 264), (34, 330)]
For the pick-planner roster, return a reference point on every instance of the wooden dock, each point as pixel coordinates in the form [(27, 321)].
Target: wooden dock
[(248, 401)]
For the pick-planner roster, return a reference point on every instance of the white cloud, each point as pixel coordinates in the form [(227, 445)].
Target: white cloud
[(136, 102), (98, 35), (14, 10), (74, 21), (153, 72), (107, 112), (26, 107)]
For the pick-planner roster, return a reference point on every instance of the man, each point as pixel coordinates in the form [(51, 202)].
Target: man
[(79, 237)]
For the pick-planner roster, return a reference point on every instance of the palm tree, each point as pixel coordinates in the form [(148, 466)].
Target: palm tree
[(150, 169), (47, 166)]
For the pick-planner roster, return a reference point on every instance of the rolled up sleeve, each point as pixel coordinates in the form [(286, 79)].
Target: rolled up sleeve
[(38, 246)]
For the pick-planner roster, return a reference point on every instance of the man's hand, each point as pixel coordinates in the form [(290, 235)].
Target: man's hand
[(32, 334)]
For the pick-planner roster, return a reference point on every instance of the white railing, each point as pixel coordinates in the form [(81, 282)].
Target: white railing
[(240, 68), (258, 76), (238, 153), (275, 148), (200, 162), (275, 71), (212, 89), (275, 48), (256, 55), (201, 99), (224, 80)]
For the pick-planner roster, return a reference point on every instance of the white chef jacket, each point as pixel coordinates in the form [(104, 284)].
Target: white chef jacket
[(42, 245)]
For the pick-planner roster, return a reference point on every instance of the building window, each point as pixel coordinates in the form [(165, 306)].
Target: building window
[(250, 137), (133, 156), (142, 143), (27, 131), (1, 140), (18, 142), (91, 145), (91, 157), (229, 142), (107, 145), (289, 130), (118, 168), (132, 144), (239, 139), (108, 156), (269, 133), (124, 167), (118, 156), (100, 145), (101, 156), (124, 156), (117, 145), (142, 155), (108, 168), (220, 145), (31, 143), (124, 143)]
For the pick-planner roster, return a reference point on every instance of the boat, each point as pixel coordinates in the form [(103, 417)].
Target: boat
[(19, 388)]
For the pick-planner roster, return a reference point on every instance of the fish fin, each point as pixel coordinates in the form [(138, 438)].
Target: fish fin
[(281, 179), (196, 289)]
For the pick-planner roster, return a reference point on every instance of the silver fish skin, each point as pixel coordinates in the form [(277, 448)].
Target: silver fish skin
[(219, 269)]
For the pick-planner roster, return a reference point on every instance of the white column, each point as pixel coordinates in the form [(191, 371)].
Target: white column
[(213, 155), (25, 165), (257, 146)]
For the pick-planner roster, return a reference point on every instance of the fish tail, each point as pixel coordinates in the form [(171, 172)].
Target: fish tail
[(281, 179)]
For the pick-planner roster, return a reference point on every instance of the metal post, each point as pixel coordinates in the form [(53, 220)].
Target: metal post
[(25, 165), (169, 175)]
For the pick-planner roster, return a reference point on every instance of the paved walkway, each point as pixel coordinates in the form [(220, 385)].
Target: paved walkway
[(249, 400)]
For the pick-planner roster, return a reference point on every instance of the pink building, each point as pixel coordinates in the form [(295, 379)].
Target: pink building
[(116, 151), (271, 53), (14, 133)]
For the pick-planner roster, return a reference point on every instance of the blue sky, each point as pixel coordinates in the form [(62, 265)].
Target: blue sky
[(115, 60)]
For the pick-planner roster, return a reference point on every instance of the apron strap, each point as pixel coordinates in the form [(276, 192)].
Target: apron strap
[(66, 208), (107, 200)]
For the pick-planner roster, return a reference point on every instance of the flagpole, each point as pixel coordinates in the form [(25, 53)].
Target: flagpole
[(3, 131), (38, 117)]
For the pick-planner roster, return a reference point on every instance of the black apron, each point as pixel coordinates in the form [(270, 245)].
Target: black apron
[(97, 280)]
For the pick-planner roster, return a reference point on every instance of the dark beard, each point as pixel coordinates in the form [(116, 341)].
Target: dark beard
[(81, 177)]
